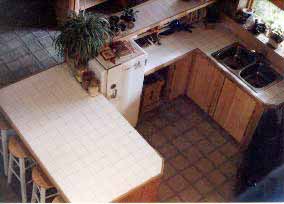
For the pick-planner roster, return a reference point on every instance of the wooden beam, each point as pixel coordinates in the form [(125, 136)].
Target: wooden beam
[(279, 3)]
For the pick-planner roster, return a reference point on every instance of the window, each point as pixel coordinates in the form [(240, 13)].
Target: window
[(269, 13)]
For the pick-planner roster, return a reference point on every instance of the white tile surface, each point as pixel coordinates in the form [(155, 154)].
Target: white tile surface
[(91, 152), (180, 43)]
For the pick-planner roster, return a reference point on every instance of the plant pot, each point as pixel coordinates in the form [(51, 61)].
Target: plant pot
[(275, 39), (273, 43), (74, 70)]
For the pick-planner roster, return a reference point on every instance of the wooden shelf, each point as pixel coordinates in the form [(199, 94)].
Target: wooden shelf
[(155, 13), (89, 3)]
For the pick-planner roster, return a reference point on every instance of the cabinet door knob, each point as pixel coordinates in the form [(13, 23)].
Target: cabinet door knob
[(113, 91)]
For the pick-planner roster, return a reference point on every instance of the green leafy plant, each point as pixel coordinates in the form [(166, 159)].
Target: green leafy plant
[(82, 36), (277, 34)]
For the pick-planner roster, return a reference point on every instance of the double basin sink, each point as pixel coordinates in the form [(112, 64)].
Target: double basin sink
[(250, 67)]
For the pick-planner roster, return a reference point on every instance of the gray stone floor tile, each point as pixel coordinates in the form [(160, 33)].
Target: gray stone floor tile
[(14, 55), (40, 33), (14, 43), (48, 62), (46, 41)]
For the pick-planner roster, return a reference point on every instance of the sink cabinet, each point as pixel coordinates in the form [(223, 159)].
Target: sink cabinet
[(205, 82), (229, 105), (234, 110)]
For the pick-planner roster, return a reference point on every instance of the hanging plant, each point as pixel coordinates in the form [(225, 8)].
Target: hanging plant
[(82, 37)]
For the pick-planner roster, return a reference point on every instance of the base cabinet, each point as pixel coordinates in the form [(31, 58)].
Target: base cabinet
[(234, 110), (178, 76), (205, 82), (147, 193)]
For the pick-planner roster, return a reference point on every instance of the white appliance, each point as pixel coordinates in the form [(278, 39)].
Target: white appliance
[(122, 82)]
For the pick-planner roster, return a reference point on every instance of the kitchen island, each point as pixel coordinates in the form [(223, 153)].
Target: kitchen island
[(83, 144)]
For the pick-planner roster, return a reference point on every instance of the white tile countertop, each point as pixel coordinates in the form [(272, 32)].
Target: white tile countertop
[(153, 13), (177, 45), (180, 43), (89, 151)]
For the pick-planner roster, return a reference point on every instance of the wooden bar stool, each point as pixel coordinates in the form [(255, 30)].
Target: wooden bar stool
[(41, 184), (20, 156), (5, 131), (58, 199)]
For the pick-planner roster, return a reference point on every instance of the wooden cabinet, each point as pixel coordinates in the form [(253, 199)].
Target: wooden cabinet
[(205, 82), (178, 76), (147, 193), (234, 110)]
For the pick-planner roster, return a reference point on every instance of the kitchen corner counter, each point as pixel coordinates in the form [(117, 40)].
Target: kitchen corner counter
[(153, 13), (84, 145), (208, 41)]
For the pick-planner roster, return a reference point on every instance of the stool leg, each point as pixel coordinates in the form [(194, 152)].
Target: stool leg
[(34, 193), (5, 150), (11, 160), (23, 180), (42, 195)]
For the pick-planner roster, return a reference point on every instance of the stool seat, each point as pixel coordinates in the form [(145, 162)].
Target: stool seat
[(4, 125), (40, 179), (58, 199), (17, 148)]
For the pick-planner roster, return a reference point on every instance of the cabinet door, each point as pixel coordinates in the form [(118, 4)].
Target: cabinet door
[(234, 110), (205, 83), (178, 76), (124, 88)]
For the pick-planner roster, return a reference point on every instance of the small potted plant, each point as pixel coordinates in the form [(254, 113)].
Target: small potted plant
[(81, 38), (276, 37)]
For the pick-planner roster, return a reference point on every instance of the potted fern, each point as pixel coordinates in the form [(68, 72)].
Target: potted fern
[(276, 37), (81, 38)]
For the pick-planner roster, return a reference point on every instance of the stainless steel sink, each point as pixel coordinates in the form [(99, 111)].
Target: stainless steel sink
[(235, 56), (252, 68), (260, 75)]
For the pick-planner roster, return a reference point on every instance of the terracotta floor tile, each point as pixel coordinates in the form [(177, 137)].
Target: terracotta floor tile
[(181, 143), (194, 118), (203, 186), (190, 195), (177, 183), (159, 122), (229, 150), (200, 161), (169, 171), (205, 128), (227, 191), (171, 132), (193, 136), (191, 174), (204, 165), (168, 151), (192, 154), (171, 115), (216, 177), (179, 162), (146, 129), (205, 146), (157, 139), (217, 158), (174, 199), (217, 139), (214, 197), (183, 125), (165, 192), (229, 169)]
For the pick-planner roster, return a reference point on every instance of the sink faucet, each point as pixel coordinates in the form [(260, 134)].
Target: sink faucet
[(259, 57)]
